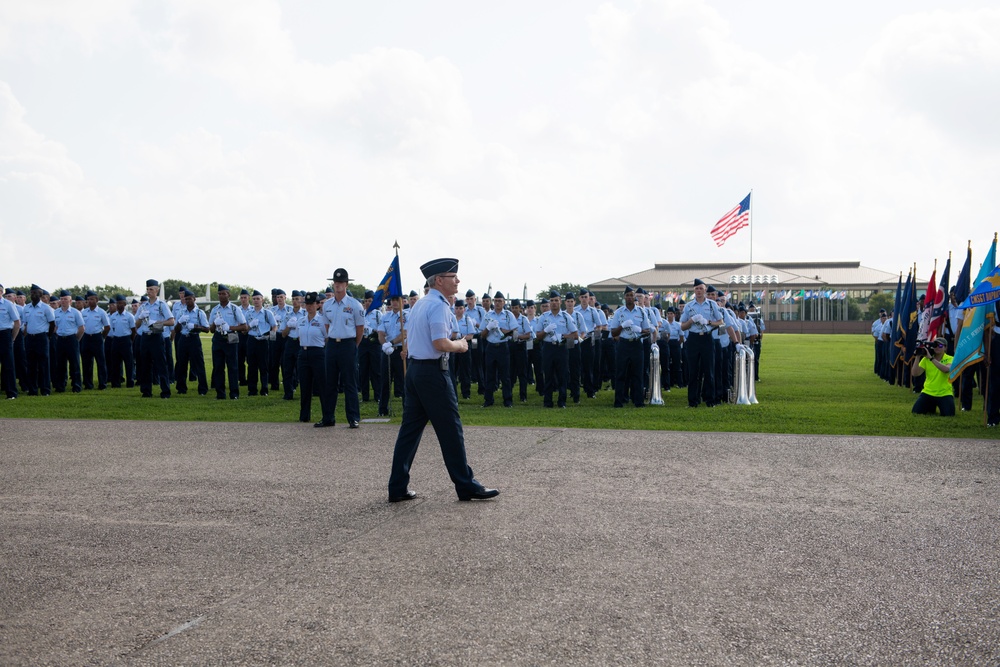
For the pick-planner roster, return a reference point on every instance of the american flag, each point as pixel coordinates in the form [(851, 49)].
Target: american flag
[(732, 222)]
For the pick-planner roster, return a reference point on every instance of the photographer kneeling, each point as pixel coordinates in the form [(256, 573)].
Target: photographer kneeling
[(937, 391)]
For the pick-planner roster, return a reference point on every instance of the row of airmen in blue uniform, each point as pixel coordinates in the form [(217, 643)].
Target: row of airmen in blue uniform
[(559, 350)]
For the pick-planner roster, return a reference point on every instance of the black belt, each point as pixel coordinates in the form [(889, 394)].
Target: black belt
[(435, 360), (341, 340), (699, 333), (630, 340), (39, 334), (96, 334), (264, 337), (310, 347), (504, 344)]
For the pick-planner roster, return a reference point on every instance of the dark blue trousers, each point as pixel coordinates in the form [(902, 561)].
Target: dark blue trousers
[(257, 365), (120, 356), (68, 353), (7, 374), (498, 365), (555, 369), (289, 360), (190, 354), (701, 360), (370, 368), (91, 353), (430, 397), (39, 375), (224, 358), (311, 370), (341, 369), (629, 366), (152, 365)]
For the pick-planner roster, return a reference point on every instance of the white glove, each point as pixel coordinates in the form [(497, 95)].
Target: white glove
[(292, 323), (551, 329), (493, 325), (253, 323), (218, 321), (636, 329), (387, 348), (557, 338), (272, 335), (182, 319), (188, 327), (739, 347), (225, 328), (367, 331)]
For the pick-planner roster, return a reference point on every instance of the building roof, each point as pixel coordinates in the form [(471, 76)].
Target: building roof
[(843, 275)]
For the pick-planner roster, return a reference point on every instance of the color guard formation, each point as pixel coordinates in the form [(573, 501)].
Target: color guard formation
[(568, 347)]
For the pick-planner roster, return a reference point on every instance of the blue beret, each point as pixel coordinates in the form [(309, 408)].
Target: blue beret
[(77, 297), (144, 299), (188, 292), (152, 283), (63, 292), (244, 291), (256, 293), (469, 293), (369, 294), (35, 287), (19, 293), (553, 294), (698, 281), (529, 303), (119, 297), (710, 288), (570, 295), (223, 288), (499, 295), (90, 293), (515, 302), (296, 293), (629, 290)]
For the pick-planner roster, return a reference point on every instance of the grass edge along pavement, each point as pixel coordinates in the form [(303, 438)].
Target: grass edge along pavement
[(811, 384)]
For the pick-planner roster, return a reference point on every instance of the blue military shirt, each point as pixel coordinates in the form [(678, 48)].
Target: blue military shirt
[(344, 316), (625, 318), (36, 318), (94, 320), (68, 322), (506, 321), (8, 315)]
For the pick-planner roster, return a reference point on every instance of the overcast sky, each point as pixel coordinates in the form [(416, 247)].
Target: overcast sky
[(545, 141)]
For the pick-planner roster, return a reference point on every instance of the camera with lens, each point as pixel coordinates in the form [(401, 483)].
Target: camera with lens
[(924, 347)]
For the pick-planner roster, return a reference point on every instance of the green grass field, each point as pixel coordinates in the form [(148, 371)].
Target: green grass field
[(811, 384)]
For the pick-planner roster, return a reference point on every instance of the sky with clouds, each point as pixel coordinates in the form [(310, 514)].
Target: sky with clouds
[(267, 143)]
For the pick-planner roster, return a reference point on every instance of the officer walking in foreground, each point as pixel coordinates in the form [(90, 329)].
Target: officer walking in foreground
[(430, 392)]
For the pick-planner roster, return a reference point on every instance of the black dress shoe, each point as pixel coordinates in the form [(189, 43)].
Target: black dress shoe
[(304, 420), (483, 494), (323, 424), (409, 495), (354, 425)]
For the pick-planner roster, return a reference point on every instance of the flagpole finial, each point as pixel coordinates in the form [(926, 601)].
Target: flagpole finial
[(395, 245)]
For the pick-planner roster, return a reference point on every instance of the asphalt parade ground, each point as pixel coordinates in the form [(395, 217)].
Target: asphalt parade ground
[(142, 543)]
